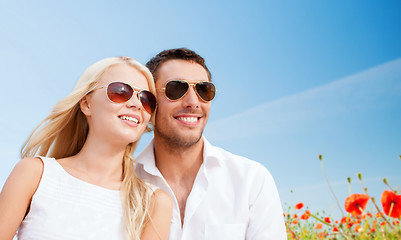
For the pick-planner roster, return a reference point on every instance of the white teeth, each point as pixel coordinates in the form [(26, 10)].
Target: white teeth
[(129, 119), (188, 119)]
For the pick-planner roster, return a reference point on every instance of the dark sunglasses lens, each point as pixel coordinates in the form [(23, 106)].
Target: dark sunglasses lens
[(176, 89), (148, 101), (206, 90), (119, 92)]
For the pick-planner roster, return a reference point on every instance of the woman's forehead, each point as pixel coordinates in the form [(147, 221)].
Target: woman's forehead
[(126, 74)]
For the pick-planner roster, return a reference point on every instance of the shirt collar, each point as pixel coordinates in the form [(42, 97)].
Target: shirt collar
[(147, 159), (211, 157), (211, 154)]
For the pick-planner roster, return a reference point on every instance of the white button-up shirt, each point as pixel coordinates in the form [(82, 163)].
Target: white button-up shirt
[(232, 198)]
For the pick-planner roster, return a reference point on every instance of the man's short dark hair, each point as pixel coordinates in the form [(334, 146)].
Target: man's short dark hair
[(176, 53)]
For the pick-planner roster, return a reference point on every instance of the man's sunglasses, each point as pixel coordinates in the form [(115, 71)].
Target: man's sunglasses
[(177, 89), (119, 92)]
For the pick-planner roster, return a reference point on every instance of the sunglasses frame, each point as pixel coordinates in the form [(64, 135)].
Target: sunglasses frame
[(135, 90), (189, 85)]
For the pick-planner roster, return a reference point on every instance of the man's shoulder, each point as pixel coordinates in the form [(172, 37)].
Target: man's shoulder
[(232, 158), (238, 163), (245, 176)]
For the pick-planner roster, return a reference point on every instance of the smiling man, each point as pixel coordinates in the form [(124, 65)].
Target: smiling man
[(216, 194)]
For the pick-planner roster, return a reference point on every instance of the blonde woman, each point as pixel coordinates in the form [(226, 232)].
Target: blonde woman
[(83, 185)]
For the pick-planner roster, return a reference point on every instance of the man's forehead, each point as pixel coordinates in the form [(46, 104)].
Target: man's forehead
[(178, 69)]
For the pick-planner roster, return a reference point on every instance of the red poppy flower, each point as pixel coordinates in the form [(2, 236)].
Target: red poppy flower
[(319, 226), (306, 215), (356, 203), (299, 206), (327, 219), (391, 203), (345, 219)]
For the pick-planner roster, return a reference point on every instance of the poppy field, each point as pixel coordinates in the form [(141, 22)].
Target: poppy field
[(356, 222)]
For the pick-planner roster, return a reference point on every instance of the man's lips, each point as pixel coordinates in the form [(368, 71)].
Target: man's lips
[(188, 119)]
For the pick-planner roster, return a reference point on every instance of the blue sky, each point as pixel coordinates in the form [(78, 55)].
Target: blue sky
[(295, 79)]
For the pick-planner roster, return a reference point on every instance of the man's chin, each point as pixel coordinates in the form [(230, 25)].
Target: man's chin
[(179, 141), (190, 141)]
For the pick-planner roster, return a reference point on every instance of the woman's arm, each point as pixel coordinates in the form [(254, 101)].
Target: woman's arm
[(158, 226), (16, 195)]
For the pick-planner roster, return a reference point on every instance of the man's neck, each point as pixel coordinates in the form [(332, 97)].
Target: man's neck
[(178, 163), (179, 166)]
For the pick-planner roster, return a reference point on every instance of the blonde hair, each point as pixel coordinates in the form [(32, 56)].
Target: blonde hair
[(63, 133)]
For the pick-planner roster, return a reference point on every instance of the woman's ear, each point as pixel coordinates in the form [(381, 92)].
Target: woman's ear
[(85, 106)]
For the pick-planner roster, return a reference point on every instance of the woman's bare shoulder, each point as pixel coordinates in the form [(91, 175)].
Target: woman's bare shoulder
[(16, 195), (162, 200), (32, 166), (27, 172), (160, 216)]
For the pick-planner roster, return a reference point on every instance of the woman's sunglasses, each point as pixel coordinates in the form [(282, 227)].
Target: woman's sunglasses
[(119, 92), (177, 89)]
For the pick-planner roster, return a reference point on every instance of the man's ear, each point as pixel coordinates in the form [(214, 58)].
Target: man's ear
[(85, 106)]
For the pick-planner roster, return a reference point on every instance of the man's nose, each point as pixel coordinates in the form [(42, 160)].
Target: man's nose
[(191, 99)]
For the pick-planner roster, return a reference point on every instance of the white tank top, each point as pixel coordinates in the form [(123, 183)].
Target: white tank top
[(65, 207)]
